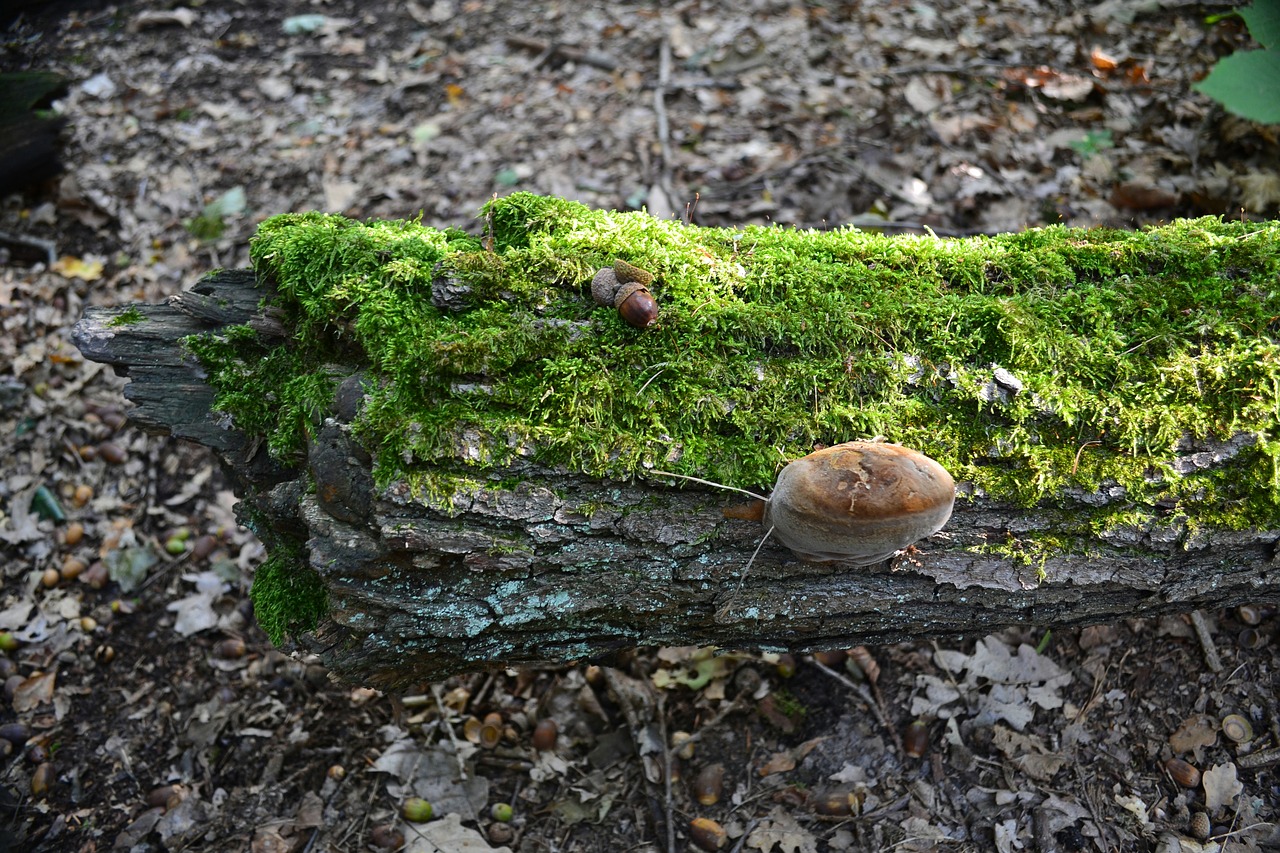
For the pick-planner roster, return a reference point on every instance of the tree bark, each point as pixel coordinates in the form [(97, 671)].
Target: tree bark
[(563, 567)]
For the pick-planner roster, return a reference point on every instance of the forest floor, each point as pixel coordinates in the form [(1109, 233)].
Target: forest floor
[(145, 711)]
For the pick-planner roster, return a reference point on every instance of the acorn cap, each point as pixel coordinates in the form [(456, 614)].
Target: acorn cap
[(859, 501), (604, 287), (630, 272)]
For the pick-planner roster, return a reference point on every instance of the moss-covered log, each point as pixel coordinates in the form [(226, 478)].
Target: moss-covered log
[(451, 450)]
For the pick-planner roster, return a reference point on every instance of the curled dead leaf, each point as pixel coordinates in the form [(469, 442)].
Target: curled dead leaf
[(33, 692)]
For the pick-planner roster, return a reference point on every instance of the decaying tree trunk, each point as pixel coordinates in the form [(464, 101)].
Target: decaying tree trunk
[(561, 566)]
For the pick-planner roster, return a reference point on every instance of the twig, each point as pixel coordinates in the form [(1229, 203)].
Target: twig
[(714, 721), (666, 773), (46, 246), (453, 738), (663, 180), (572, 53), (659, 102), (1206, 641), (1093, 810), (1259, 759)]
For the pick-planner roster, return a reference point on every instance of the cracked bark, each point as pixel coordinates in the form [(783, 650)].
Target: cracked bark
[(564, 567)]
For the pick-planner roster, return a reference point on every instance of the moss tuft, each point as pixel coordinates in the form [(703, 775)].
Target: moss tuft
[(127, 317), (288, 597)]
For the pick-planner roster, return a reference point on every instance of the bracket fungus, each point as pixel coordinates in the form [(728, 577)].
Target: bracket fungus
[(860, 501)]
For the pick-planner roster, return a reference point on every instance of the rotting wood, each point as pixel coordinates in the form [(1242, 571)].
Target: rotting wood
[(565, 567)]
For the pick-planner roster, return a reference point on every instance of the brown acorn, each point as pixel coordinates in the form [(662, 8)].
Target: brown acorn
[(831, 657), (1183, 773), (707, 834), (544, 734), (708, 787), (915, 739), (838, 804), (636, 306)]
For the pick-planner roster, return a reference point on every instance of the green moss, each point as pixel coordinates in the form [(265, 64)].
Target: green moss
[(772, 340), (288, 597), (127, 317)]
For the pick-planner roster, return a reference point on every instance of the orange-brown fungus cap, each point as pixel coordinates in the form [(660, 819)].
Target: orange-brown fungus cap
[(859, 501)]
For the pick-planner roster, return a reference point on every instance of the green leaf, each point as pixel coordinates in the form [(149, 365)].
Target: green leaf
[(1248, 84), (1263, 18), (46, 505)]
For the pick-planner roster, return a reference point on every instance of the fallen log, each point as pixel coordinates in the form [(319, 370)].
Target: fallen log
[(452, 452)]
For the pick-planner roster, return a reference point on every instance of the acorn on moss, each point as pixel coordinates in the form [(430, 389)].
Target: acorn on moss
[(626, 287)]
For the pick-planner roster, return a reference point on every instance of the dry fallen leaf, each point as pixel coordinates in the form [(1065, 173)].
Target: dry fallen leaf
[(448, 833), (780, 830), (1260, 190), (83, 269), (1221, 787), (33, 692), (162, 18), (780, 762), (1028, 752)]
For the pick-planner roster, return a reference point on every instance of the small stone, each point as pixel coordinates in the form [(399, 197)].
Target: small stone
[(604, 286), (1006, 380)]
